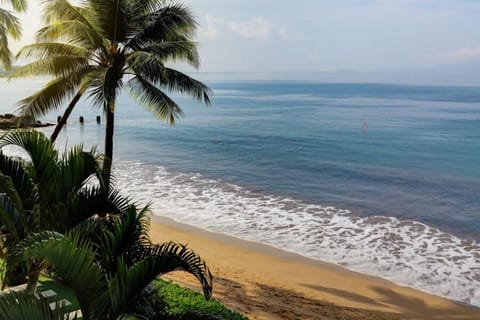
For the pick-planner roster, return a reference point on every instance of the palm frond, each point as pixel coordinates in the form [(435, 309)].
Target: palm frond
[(42, 154), (171, 256), (154, 99), (54, 94), (151, 68), (11, 216), (166, 23), (127, 284), (76, 167), (5, 53), (17, 5), (64, 19), (24, 306), (174, 50), (45, 50), (59, 66), (112, 18), (127, 237), (14, 169), (177, 81), (10, 23), (9, 26), (74, 261)]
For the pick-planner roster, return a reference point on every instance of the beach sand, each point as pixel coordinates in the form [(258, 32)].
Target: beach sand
[(262, 282)]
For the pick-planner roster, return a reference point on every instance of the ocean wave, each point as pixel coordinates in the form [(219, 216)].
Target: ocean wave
[(407, 252)]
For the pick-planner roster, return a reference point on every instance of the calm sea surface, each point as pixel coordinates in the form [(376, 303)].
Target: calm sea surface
[(383, 179)]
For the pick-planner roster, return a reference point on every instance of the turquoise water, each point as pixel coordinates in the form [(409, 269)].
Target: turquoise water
[(383, 179)]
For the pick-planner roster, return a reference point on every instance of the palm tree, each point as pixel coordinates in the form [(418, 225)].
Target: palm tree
[(109, 270), (103, 46), (48, 192), (9, 26)]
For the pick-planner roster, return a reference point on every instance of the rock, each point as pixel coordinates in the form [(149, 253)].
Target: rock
[(11, 121)]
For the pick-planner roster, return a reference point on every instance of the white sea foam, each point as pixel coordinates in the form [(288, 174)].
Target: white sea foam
[(406, 252)]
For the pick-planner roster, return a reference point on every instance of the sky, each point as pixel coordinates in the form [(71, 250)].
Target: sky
[(374, 36)]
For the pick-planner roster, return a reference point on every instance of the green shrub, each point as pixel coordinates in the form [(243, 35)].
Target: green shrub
[(178, 301)]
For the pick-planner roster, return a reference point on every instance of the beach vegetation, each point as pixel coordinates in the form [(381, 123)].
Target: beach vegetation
[(176, 301), (109, 263), (102, 47), (46, 191)]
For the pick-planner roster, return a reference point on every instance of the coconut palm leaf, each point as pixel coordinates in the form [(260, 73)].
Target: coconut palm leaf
[(9, 26), (179, 49), (65, 20), (58, 66), (162, 24), (51, 49), (53, 95), (154, 99)]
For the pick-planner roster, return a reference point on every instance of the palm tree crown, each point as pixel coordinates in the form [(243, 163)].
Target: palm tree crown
[(104, 46)]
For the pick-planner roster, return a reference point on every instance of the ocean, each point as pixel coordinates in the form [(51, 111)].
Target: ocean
[(381, 179)]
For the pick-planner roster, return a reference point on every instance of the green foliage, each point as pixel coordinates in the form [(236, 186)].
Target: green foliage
[(108, 262), (47, 192), (178, 301), (9, 26)]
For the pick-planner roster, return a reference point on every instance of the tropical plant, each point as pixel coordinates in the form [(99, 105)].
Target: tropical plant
[(47, 192), (110, 271), (22, 306), (9, 26), (103, 46)]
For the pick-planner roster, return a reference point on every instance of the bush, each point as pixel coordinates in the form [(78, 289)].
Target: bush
[(178, 302)]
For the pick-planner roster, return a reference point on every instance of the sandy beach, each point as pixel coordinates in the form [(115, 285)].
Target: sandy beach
[(262, 282)]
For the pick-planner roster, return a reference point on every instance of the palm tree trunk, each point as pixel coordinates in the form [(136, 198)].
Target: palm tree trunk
[(65, 116), (107, 163), (33, 275)]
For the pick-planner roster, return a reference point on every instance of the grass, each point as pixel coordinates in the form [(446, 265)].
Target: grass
[(179, 301)]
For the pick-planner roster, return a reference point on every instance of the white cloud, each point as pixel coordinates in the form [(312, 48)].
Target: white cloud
[(256, 28), (462, 54)]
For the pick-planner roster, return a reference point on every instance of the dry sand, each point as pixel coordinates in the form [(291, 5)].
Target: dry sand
[(262, 282)]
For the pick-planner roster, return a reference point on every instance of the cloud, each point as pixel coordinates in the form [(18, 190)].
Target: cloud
[(256, 28), (462, 54)]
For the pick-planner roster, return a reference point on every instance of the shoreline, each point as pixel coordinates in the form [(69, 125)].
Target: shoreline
[(264, 282)]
